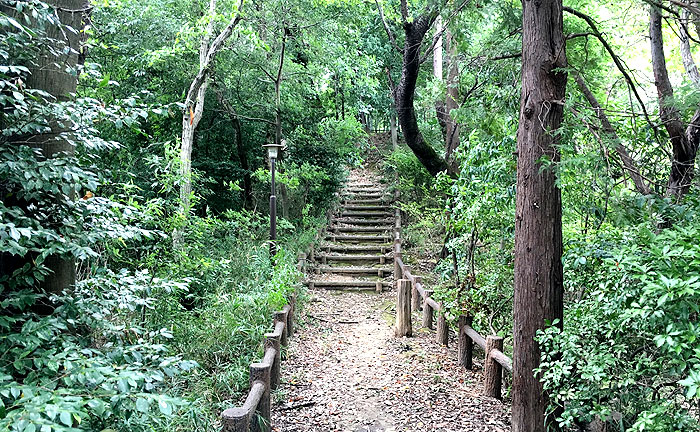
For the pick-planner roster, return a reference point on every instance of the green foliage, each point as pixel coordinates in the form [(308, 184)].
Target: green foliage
[(91, 363), (629, 344)]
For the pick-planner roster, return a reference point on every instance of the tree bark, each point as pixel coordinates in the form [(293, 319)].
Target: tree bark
[(440, 108), (452, 128), (58, 76), (684, 140), (538, 273), (414, 33), (686, 55)]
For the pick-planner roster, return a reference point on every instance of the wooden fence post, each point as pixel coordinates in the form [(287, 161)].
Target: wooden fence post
[(403, 309), (397, 255), (260, 372), (281, 316), (290, 314), (492, 369), (415, 295), (235, 420), (273, 341), (466, 345), (427, 310), (441, 336)]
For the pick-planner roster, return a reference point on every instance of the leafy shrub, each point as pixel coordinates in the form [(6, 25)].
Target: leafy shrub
[(91, 363), (629, 346)]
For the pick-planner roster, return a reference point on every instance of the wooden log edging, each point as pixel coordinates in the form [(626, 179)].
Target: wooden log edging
[(495, 359), (254, 415)]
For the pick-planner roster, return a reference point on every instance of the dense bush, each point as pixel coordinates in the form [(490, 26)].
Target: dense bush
[(628, 352)]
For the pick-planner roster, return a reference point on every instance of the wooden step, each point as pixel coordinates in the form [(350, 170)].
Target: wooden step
[(349, 285), (355, 213), (324, 258), (375, 271), (362, 185), (352, 229), (351, 221), (347, 237), (359, 195), (365, 190), (357, 248), (365, 201), (366, 207)]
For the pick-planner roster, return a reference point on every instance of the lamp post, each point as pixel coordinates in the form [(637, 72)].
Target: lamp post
[(273, 152)]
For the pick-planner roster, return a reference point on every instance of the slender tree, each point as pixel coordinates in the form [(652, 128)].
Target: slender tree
[(538, 269), (684, 137), (194, 101)]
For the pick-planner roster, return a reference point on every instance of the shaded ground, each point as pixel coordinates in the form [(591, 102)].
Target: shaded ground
[(345, 371)]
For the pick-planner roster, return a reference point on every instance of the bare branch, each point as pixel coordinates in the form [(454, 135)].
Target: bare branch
[(389, 33), (591, 23), (628, 163)]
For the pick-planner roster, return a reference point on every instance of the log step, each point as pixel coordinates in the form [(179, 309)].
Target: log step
[(365, 201), (348, 258), (349, 285), (366, 207), (347, 237), (351, 221), (358, 195), (365, 190), (357, 248), (354, 213), (380, 228), (376, 271)]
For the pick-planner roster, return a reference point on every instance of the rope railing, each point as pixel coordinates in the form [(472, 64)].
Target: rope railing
[(410, 289)]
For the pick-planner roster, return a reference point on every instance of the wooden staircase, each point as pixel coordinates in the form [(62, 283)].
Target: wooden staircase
[(357, 251)]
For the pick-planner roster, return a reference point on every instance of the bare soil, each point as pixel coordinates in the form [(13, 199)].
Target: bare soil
[(345, 371)]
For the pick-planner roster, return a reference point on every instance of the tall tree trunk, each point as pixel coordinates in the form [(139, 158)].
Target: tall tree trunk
[(415, 32), (194, 105), (452, 128), (392, 127), (440, 109), (538, 237), (240, 148), (684, 140), (192, 116), (59, 78)]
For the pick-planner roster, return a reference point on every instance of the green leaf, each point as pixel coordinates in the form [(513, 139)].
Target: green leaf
[(142, 405), (66, 418)]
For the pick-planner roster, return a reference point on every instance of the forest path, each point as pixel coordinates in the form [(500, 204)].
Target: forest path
[(346, 371)]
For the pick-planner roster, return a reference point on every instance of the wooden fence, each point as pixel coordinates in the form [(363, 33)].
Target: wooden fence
[(410, 289), (254, 415)]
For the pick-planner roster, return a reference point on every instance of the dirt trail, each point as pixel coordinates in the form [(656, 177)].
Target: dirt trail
[(345, 371)]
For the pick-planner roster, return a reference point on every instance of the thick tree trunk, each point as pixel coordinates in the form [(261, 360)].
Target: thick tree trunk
[(684, 141), (538, 237), (451, 103), (59, 78), (428, 157)]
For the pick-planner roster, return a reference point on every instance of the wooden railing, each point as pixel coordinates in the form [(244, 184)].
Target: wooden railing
[(254, 415), (410, 289)]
